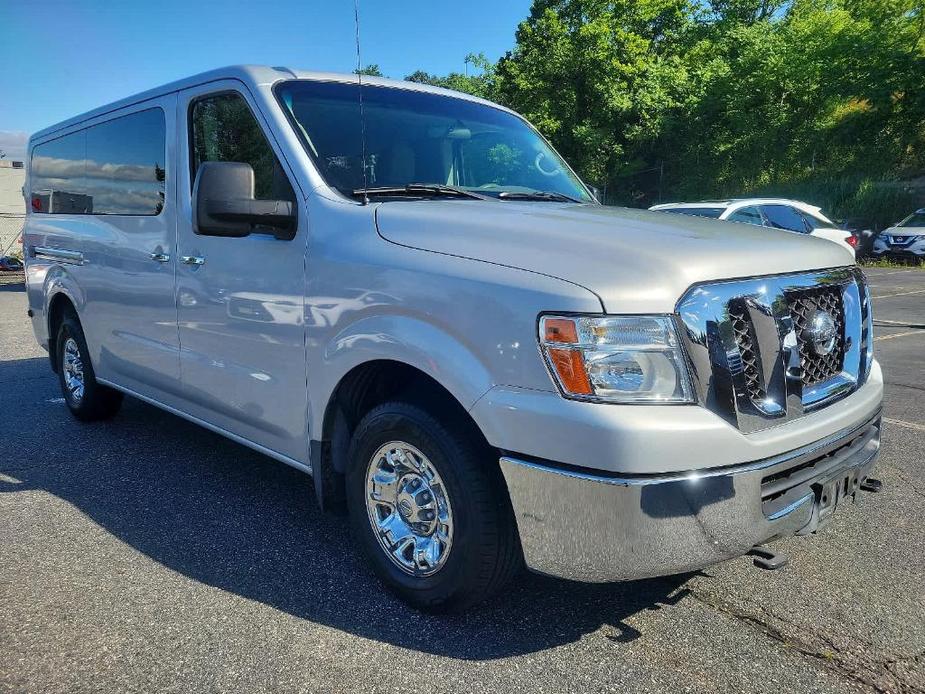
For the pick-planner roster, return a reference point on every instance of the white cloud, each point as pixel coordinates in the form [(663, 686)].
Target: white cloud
[(13, 144), (54, 167), (114, 188)]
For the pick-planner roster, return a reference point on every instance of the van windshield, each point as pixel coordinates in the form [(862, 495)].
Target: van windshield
[(415, 137)]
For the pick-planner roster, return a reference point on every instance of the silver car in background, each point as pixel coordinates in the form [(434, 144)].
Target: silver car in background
[(422, 306)]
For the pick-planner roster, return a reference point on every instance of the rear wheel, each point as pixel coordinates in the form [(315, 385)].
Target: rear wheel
[(429, 509), (86, 399)]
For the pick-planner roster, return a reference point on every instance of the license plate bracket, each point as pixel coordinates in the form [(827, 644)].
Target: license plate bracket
[(833, 492)]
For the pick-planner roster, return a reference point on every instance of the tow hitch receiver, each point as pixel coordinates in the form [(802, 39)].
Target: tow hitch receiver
[(871, 485), (766, 558)]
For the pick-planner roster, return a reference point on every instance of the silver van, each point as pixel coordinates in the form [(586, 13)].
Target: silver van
[(414, 299)]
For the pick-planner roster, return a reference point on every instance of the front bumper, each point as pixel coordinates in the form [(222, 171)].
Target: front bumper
[(597, 527), (900, 256), (915, 251), (652, 439)]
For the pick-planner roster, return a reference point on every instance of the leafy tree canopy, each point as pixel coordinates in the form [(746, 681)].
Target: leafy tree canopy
[(372, 70), (688, 98)]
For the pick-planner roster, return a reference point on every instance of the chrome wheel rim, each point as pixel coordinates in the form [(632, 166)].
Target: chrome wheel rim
[(408, 509), (73, 368)]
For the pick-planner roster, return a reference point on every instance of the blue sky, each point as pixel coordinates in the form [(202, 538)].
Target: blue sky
[(62, 58)]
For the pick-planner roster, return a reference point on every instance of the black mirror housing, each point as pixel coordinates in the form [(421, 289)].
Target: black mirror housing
[(224, 204)]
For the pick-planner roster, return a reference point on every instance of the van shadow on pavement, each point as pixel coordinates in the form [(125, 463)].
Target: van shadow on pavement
[(220, 514)]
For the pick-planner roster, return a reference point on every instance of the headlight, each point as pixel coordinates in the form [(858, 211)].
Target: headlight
[(616, 358)]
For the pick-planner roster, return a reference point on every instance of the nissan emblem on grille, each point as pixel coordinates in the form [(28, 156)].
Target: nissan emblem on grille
[(769, 349), (821, 333), (806, 305)]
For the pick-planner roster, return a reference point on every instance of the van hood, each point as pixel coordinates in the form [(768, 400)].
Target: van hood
[(635, 261)]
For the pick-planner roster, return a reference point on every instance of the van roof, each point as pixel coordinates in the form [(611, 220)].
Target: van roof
[(253, 76)]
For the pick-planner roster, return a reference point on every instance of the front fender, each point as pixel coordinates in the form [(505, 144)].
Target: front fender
[(407, 339)]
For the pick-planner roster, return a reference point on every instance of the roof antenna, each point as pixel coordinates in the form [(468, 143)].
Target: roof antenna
[(356, 22)]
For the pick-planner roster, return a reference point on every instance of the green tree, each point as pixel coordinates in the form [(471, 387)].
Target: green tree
[(653, 99), (481, 83), (826, 90), (596, 77), (372, 70)]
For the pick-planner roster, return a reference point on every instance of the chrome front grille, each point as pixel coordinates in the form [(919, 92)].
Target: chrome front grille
[(748, 350), (755, 345), (803, 303)]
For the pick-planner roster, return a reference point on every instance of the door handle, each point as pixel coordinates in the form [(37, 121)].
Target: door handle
[(192, 260), (160, 257)]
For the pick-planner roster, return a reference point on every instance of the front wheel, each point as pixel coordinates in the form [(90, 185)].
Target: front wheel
[(429, 508)]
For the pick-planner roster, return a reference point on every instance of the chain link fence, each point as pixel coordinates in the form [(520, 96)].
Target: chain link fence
[(10, 231)]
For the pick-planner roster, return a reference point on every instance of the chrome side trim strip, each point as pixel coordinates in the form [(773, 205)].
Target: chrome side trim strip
[(60, 254), (307, 468), (694, 475)]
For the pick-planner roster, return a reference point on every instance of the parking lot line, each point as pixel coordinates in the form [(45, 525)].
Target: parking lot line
[(887, 296), (883, 323), (891, 322), (907, 425), (890, 337)]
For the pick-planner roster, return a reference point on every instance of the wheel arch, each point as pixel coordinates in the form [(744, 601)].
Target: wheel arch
[(59, 304), (362, 388)]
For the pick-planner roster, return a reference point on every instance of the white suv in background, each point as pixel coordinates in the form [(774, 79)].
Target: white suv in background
[(776, 213), (904, 239)]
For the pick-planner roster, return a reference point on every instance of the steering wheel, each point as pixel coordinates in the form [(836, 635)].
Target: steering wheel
[(536, 163)]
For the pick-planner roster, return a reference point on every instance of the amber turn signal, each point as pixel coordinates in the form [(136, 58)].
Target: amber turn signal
[(569, 365)]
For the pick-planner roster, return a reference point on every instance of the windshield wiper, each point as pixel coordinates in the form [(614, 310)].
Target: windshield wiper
[(421, 189), (537, 195)]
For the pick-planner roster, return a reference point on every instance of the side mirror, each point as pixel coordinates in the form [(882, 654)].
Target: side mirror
[(224, 204)]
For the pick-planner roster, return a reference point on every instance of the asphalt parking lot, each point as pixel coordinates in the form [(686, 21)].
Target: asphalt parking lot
[(148, 554)]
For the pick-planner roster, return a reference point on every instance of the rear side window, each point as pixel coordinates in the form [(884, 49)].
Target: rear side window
[(58, 181), (114, 168), (224, 129), (747, 215), (816, 222), (711, 212), (784, 217)]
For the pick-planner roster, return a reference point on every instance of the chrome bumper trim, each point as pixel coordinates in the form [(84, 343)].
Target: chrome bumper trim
[(795, 456), (589, 527)]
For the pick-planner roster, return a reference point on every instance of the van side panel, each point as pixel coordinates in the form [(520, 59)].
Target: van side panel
[(101, 219)]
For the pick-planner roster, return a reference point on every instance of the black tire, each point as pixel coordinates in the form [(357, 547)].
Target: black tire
[(485, 552), (97, 401)]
